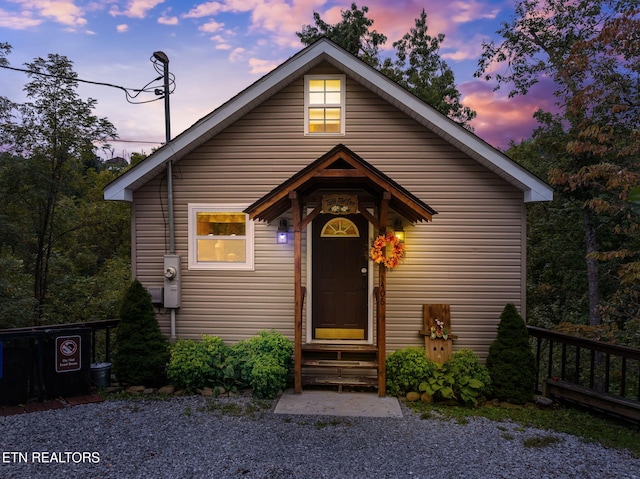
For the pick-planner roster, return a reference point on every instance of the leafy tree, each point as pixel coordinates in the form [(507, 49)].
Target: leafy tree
[(417, 67), (5, 105), (16, 301), (142, 352), (558, 40), (51, 138), (352, 33), (420, 69)]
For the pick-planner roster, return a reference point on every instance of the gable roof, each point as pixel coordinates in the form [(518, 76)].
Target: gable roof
[(533, 188), (341, 168)]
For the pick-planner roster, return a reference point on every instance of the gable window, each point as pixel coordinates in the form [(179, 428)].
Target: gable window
[(324, 104), (220, 237)]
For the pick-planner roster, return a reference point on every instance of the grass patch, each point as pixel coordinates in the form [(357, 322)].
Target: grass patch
[(588, 426), (541, 441), (255, 408)]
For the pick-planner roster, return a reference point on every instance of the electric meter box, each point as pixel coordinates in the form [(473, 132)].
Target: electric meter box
[(171, 281)]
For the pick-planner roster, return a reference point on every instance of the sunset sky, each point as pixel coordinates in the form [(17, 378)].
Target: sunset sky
[(218, 48)]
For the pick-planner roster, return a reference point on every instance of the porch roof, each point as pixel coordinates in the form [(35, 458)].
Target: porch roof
[(339, 169)]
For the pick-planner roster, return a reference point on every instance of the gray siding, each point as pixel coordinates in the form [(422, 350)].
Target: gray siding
[(471, 256)]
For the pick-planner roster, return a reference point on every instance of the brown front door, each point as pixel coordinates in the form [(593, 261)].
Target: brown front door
[(340, 277)]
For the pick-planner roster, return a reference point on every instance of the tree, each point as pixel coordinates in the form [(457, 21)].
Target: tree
[(542, 40), (605, 70), (420, 69), (352, 34), (417, 67), (51, 143), (511, 363), (142, 352), (5, 105)]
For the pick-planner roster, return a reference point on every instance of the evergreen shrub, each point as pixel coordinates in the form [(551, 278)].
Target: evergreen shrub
[(511, 362), (141, 351)]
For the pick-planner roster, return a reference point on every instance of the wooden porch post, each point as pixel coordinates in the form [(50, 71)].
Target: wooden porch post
[(382, 303), (297, 276)]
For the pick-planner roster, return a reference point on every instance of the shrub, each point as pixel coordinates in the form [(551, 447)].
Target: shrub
[(197, 364), (462, 378), (406, 369), (268, 376), (511, 362), (141, 352), (472, 379), (264, 361)]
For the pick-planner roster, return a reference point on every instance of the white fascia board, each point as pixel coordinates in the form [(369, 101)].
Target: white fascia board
[(122, 188), (534, 188)]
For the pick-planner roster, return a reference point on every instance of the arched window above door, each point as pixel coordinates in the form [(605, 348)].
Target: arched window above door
[(340, 227)]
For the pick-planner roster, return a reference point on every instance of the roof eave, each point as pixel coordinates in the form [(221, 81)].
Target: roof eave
[(533, 188)]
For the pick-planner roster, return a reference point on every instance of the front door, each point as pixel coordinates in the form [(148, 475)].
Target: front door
[(340, 277)]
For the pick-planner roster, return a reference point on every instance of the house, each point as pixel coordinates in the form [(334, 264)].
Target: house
[(262, 214)]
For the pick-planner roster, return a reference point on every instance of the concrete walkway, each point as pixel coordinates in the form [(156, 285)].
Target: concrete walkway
[(332, 403)]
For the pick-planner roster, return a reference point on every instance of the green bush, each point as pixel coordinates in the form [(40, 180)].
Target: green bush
[(141, 352), (197, 364), (406, 369), (268, 376), (264, 361), (511, 362), (469, 372)]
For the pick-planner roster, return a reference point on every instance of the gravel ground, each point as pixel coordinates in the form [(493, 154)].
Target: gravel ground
[(194, 437)]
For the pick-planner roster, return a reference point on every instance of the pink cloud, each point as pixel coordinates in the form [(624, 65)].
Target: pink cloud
[(61, 11), (18, 21), (168, 20), (501, 119), (136, 8), (204, 10)]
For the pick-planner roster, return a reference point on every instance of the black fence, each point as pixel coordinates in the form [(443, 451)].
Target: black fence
[(48, 362)]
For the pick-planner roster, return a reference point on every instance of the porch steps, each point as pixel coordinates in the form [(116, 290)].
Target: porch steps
[(340, 365)]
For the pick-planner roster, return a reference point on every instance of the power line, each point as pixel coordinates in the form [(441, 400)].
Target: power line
[(116, 140), (129, 96)]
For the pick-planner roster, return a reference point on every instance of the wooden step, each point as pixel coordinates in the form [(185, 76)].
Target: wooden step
[(345, 348), (315, 380), (338, 363)]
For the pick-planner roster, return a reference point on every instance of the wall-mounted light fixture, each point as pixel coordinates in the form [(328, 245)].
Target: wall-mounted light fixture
[(282, 236), (398, 230)]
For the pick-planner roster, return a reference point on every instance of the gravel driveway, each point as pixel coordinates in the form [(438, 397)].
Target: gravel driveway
[(195, 437)]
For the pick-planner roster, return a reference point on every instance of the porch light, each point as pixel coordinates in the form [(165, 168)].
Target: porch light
[(282, 236), (398, 230)]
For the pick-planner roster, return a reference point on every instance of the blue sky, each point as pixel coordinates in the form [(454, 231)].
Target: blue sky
[(218, 48)]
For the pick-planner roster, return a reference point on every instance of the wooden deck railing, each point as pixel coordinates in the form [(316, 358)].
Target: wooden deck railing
[(598, 374)]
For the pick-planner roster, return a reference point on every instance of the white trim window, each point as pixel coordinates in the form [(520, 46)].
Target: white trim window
[(324, 104), (221, 236)]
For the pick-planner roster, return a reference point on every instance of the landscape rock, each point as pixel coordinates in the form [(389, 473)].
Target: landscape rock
[(167, 390), (207, 392), (136, 390), (413, 396), (426, 398)]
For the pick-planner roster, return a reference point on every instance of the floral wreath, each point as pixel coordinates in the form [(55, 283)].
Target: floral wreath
[(387, 250)]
